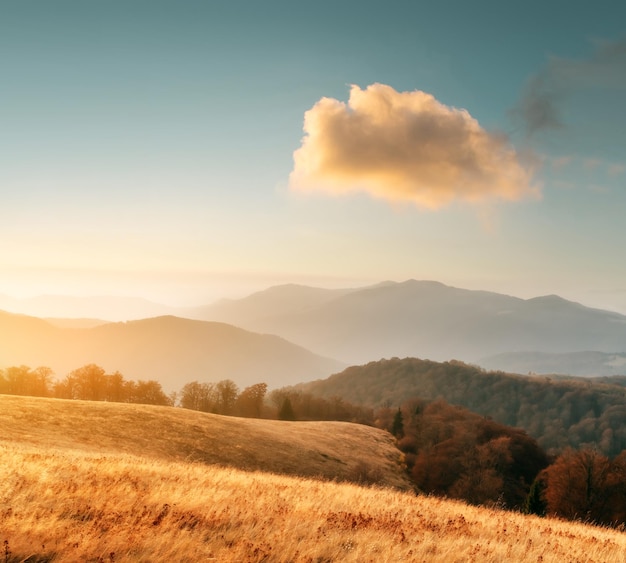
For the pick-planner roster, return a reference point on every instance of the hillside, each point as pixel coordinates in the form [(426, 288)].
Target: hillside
[(79, 496), (425, 319), (330, 450), (170, 350), (557, 412)]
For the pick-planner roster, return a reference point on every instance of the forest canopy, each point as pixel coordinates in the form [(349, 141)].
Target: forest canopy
[(559, 413)]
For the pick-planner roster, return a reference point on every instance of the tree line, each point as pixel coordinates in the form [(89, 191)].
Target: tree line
[(89, 382), (224, 397)]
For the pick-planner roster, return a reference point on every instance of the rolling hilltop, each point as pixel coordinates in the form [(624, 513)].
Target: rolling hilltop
[(170, 350), (123, 483), (422, 319), (329, 450)]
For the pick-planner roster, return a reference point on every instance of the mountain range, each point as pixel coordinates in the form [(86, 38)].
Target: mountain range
[(290, 333), (171, 350), (423, 319)]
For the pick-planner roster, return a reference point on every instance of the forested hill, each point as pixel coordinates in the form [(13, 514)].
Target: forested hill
[(557, 412)]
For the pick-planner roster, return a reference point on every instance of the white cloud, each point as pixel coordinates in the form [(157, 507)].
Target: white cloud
[(406, 146)]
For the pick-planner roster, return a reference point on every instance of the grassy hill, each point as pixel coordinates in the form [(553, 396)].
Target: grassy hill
[(330, 450), (69, 492)]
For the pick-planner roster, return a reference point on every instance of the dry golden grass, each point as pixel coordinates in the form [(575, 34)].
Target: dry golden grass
[(65, 503), (330, 450), (79, 506)]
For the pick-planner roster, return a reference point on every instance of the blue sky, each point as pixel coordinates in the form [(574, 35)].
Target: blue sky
[(148, 147)]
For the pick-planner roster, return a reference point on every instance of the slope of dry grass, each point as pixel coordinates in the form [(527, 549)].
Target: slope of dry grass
[(330, 450), (68, 506), (70, 490)]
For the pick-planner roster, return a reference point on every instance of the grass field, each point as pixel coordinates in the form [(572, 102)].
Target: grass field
[(330, 450), (64, 503)]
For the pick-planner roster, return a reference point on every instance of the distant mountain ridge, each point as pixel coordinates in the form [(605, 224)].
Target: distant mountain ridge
[(426, 319), (272, 302), (171, 350), (414, 318), (586, 364), (107, 307)]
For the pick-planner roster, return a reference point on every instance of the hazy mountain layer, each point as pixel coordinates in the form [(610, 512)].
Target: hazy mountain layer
[(110, 308), (588, 364), (424, 319), (415, 318), (170, 350)]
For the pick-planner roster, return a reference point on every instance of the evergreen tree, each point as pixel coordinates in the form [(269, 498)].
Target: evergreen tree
[(535, 504), (286, 411), (397, 426)]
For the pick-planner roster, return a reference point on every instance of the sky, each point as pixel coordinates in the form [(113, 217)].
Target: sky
[(186, 151)]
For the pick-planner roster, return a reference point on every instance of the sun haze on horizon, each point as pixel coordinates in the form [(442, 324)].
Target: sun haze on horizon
[(191, 152)]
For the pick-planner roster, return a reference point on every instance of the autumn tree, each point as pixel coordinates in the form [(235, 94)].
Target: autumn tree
[(116, 389), (199, 396), (89, 383), (21, 380), (150, 393), (579, 486), (17, 380), (616, 490), (227, 392), (484, 470), (250, 400)]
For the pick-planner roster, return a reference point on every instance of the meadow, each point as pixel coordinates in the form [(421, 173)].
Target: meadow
[(63, 502)]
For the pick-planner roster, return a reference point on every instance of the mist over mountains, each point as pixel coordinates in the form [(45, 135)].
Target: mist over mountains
[(424, 319), (108, 308), (292, 333), (171, 350)]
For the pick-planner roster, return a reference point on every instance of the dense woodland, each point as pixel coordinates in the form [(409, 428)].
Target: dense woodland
[(448, 450), (452, 452), (557, 412)]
